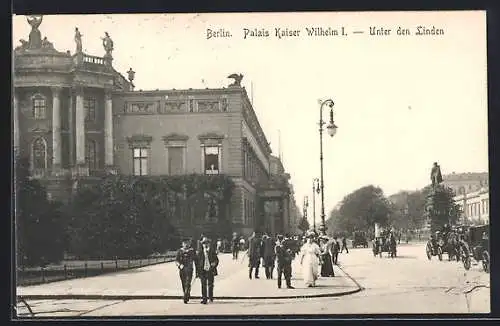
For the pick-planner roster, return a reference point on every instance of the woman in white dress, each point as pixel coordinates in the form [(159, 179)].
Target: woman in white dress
[(309, 259)]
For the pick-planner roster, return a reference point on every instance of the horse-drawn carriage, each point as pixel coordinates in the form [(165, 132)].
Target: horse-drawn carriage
[(359, 239), (385, 243), (474, 243), (441, 243)]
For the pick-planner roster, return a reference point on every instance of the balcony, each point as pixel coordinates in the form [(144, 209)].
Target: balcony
[(90, 62)]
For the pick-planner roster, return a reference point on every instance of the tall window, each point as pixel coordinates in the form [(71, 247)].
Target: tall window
[(211, 159), (175, 160), (91, 154), (39, 107), (89, 104), (140, 161), (39, 154)]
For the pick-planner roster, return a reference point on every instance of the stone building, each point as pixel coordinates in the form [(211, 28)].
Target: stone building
[(77, 118), (475, 206), (463, 183)]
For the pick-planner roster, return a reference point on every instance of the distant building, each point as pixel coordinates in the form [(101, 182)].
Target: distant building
[(463, 183), (475, 206)]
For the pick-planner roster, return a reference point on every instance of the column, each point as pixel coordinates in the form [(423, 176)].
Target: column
[(16, 122), (56, 128), (80, 127), (108, 128), (71, 129)]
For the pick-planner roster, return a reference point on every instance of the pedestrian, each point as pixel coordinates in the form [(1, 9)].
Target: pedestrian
[(309, 260), (344, 245), (326, 247), (206, 270), (336, 249), (235, 246), (254, 255), (242, 243), (184, 261), (283, 262), (198, 243), (268, 255), (219, 246)]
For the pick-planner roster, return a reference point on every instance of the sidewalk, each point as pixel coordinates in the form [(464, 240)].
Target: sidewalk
[(162, 282)]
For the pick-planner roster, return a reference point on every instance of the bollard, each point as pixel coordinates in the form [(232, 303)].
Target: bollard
[(65, 272), (102, 267), (140, 262), (116, 264), (128, 263), (43, 275), (85, 270)]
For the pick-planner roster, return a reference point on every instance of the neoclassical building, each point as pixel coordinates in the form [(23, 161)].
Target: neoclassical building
[(77, 118)]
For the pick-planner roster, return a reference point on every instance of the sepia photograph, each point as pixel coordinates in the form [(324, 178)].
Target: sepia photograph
[(250, 164)]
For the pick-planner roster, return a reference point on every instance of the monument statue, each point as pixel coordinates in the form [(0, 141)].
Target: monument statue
[(35, 37), (237, 79), (78, 40), (107, 43), (436, 177)]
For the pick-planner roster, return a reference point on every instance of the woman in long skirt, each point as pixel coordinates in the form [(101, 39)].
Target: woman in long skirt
[(326, 247), (309, 259)]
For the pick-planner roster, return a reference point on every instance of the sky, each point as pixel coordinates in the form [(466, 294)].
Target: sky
[(402, 102)]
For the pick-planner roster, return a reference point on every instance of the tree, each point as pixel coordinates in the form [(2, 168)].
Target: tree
[(39, 230), (441, 208), (361, 209)]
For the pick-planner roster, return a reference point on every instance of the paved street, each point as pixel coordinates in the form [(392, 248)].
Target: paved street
[(407, 284)]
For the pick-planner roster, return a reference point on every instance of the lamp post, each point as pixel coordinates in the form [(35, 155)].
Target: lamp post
[(332, 129), (315, 190), (304, 207)]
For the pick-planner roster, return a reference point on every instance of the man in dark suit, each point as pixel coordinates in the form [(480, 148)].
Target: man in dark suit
[(268, 255), (206, 269), (254, 254), (185, 260), (283, 262)]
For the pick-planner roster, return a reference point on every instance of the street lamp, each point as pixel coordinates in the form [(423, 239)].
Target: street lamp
[(304, 207), (332, 130), (315, 190)]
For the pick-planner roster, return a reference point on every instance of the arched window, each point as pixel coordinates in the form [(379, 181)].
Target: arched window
[(91, 154), (39, 106), (39, 154)]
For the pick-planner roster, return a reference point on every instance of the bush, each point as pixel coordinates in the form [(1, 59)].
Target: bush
[(131, 216), (39, 230)]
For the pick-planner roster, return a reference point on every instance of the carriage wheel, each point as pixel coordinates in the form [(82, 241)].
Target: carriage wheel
[(428, 252), (440, 253), (486, 261)]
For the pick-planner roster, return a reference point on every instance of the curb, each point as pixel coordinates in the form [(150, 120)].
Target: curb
[(357, 289)]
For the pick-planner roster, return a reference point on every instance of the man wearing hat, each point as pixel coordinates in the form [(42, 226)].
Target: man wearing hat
[(283, 262), (254, 254), (184, 261), (206, 269), (268, 255)]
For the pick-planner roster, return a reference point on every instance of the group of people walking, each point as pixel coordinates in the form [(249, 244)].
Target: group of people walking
[(317, 256)]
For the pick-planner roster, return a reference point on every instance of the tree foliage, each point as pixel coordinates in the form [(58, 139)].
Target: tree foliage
[(360, 210), (408, 209), (39, 227), (127, 216)]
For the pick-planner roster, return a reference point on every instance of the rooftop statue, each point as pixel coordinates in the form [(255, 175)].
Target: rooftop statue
[(237, 79), (35, 37), (107, 43), (78, 40)]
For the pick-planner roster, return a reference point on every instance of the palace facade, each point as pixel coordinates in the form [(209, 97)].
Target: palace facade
[(77, 118)]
